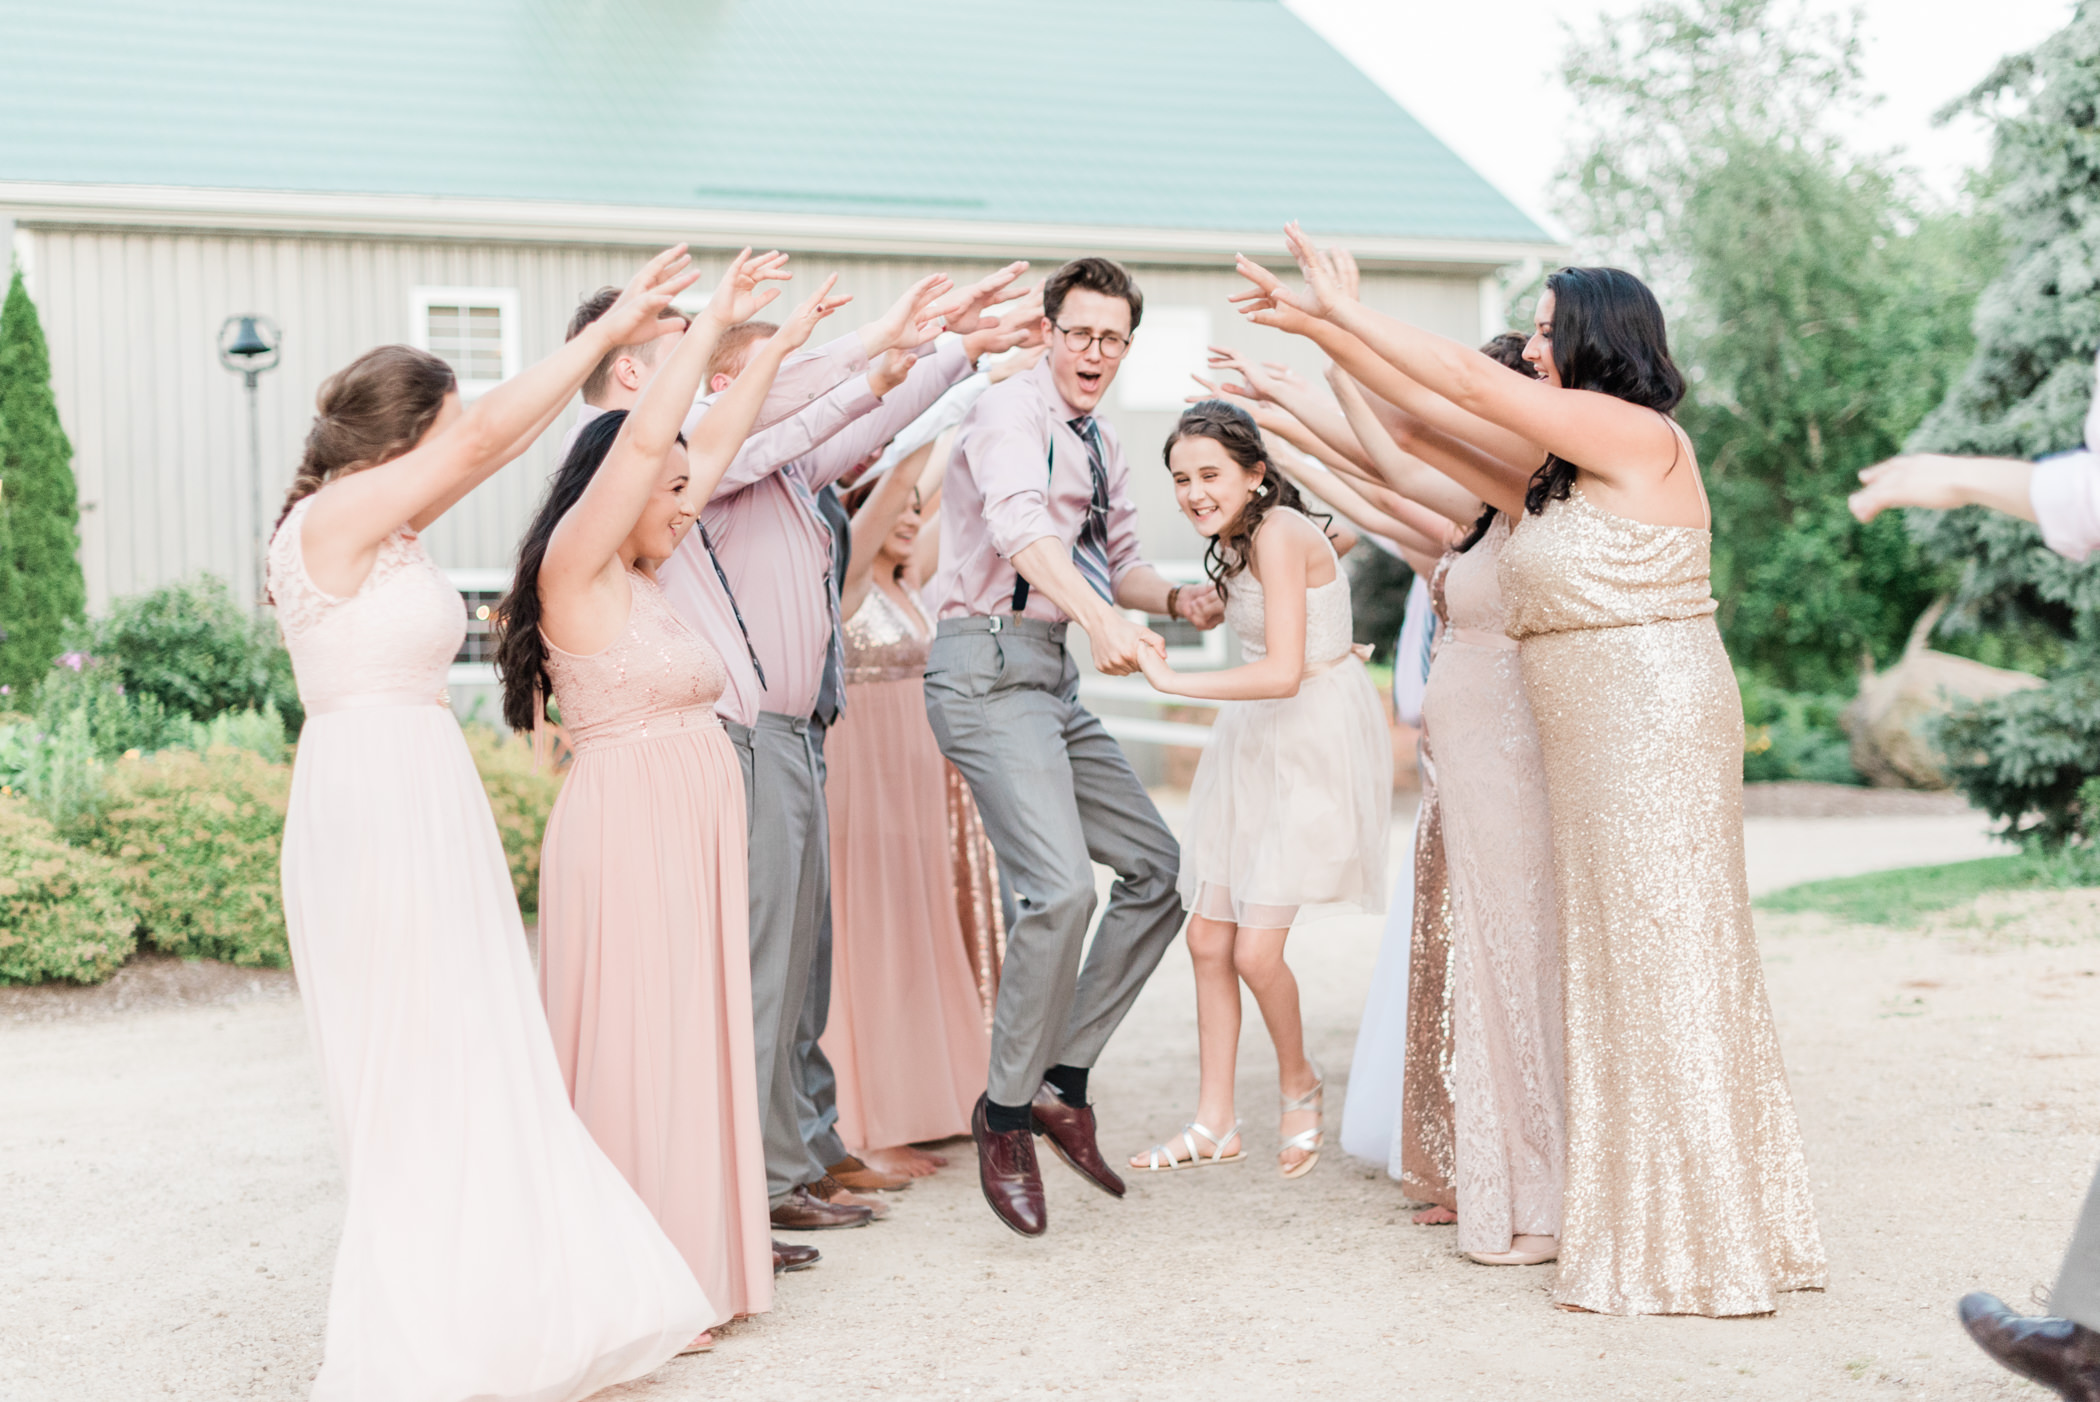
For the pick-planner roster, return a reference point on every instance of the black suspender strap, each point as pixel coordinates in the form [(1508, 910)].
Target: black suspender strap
[(1049, 471)]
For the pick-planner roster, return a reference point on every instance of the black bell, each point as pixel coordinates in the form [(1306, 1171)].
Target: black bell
[(248, 342)]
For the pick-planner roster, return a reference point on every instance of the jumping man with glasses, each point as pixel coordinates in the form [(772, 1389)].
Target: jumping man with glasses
[(1037, 532)]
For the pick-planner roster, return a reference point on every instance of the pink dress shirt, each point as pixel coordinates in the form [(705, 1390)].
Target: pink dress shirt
[(1019, 473), (773, 544)]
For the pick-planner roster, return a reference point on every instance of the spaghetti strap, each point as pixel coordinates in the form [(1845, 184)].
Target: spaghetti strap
[(1683, 445)]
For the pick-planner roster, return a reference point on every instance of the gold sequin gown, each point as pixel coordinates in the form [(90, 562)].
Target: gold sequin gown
[(1424, 1139), (1687, 1191)]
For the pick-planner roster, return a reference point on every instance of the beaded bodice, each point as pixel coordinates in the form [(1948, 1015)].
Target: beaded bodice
[(1576, 566), (886, 642), (397, 635), (1329, 631), (653, 677)]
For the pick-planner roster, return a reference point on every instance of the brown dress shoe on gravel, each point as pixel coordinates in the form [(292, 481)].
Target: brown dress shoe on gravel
[(803, 1212), (1070, 1131), (859, 1178), (834, 1192), (2057, 1353), (1006, 1170), (792, 1256)]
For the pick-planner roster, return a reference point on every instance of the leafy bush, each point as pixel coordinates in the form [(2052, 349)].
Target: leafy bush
[(197, 838), (2026, 758), (58, 770), (521, 795), (63, 912), (1794, 734), (189, 648)]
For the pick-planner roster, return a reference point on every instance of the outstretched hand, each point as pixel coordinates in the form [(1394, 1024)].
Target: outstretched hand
[(965, 311), (738, 297), (795, 331), (1021, 326), (648, 295), (911, 320)]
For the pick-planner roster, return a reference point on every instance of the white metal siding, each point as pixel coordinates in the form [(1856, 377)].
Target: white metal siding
[(159, 429)]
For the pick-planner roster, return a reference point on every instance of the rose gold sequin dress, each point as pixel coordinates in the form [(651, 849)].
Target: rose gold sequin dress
[(488, 1250), (1508, 1095), (907, 1037), (1687, 1192), (1423, 1144), (644, 944)]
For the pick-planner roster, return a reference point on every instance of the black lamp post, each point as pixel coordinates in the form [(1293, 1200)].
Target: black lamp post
[(248, 345)]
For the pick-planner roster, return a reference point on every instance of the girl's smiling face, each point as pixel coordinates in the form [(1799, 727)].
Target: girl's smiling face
[(1211, 488)]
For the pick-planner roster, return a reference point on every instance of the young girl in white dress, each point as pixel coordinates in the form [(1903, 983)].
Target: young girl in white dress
[(1291, 802)]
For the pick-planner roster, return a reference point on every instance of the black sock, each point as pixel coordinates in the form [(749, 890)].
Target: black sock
[(1070, 1084), (1004, 1119)]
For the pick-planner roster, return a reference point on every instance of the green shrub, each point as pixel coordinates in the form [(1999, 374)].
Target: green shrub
[(192, 650), (521, 796), (1794, 735), (2025, 758), (63, 910), (118, 721), (61, 774), (197, 837)]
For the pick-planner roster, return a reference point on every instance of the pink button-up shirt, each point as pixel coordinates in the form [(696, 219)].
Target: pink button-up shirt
[(1019, 473), (775, 546)]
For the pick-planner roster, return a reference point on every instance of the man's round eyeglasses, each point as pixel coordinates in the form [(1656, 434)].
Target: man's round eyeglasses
[(1079, 341)]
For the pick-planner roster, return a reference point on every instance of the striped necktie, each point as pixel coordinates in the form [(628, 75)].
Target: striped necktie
[(1090, 551)]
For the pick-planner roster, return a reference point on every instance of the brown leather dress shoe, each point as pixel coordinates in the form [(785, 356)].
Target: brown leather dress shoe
[(834, 1192), (2057, 1353), (1070, 1131), (859, 1178), (803, 1212), (793, 1256), (1006, 1170)]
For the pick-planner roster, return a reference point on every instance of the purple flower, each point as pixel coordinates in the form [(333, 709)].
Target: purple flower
[(75, 660)]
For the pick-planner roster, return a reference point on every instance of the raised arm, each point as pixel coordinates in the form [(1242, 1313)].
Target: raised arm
[(347, 522), (1620, 443), (1276, 383), (872, 525), (1406, 530), (585, 545), (1440, 471)]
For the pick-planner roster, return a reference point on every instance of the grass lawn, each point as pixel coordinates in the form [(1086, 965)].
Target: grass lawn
[(1906, 895)]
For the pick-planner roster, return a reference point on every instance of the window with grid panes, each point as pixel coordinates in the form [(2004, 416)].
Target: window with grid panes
[(468, 338)]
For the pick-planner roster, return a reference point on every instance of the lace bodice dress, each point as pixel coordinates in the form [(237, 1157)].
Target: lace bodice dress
[(1508, 1095), (1687, 1190), (466, 1170), (1292, 800), (645, 942), (657, 677)]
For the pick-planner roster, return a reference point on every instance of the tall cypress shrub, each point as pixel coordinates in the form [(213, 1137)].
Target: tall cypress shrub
[(45, 589)]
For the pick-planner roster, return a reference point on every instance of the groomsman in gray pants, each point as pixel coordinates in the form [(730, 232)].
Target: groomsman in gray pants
[(1038, 531)]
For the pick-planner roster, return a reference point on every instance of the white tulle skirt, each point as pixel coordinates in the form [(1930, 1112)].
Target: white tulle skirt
[(490, 1251), (1290, 805)]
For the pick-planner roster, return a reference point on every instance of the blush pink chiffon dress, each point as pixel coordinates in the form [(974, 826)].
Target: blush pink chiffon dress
[(490, 1251), (644, 947), (907, 1036)]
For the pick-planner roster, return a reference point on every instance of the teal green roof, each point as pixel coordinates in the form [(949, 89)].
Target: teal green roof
[(1190, 114)]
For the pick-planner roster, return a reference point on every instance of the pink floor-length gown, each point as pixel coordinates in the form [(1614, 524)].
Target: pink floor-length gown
[(644, 944), (489, 1249), (906, 1037)]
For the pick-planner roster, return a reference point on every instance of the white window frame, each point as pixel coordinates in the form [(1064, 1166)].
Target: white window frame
[(503, 299), (1170, 343)]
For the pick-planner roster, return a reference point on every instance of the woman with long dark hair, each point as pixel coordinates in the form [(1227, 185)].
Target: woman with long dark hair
[(644, 949), (1290, 804), (1687, 1188), (489, 1249)]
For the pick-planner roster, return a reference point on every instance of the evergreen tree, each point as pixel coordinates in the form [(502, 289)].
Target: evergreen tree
[(2026, 390), (2026, 757), (45, 590), (1817, 310)]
